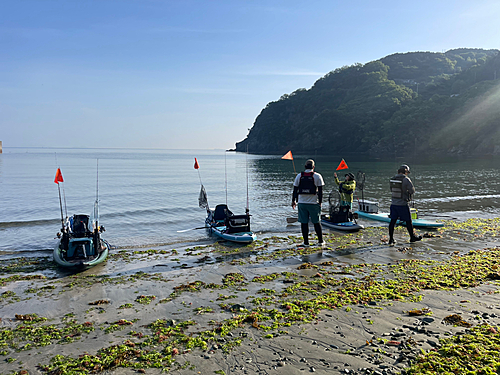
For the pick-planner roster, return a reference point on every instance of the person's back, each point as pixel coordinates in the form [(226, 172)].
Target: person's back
[(402, 190), (308, 194)]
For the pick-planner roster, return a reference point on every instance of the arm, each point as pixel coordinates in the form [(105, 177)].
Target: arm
[(408, 188), (295, 196), (320, 194)]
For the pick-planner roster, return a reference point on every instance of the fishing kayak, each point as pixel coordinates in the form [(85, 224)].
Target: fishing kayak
[(222, 223), (348, 226), (417, 223)]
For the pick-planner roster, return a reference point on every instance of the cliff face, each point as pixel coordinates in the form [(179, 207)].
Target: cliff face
[(420, 101)]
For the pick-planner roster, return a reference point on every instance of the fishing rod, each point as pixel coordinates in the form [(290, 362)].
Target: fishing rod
[(248, 199), (97, 241), (225, 174)]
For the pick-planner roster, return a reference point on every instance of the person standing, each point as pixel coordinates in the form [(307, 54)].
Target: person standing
[(346, 189), (402, 190), (308, 194)]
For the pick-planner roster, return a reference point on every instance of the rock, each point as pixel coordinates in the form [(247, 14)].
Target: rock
[(433, 343)]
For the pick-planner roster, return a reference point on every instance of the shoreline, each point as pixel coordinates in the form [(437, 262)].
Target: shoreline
[(142, 302)]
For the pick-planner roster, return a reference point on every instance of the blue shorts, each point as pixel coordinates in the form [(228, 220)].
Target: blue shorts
[(345, 203), (400, 212), (309, 210)]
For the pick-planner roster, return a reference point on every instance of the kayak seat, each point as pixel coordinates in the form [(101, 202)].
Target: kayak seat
[(238, 223), (80, 226), (221, 213)]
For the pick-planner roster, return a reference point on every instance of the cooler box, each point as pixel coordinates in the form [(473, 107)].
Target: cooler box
[(368, 206)]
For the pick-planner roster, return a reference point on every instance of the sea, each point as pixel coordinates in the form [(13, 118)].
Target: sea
[(148, 198)]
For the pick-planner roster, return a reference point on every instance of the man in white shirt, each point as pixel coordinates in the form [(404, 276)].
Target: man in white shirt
[(308, 193)]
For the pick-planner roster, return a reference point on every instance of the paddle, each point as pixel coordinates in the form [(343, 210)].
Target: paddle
[(186, 230)]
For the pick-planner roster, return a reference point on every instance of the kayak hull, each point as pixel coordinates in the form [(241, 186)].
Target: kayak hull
[(384, 217), (347, 226), (240, 237), (59, 258)]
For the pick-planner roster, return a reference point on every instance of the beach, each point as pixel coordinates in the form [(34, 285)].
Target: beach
[(266, 308)]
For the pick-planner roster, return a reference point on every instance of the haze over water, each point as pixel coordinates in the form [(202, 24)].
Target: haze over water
[(147, 196)]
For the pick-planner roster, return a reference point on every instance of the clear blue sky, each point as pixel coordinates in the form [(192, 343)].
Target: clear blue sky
[(196, 74)]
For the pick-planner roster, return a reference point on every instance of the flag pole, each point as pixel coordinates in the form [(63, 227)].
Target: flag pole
[(197, 167), (60, 205), (289, 156)]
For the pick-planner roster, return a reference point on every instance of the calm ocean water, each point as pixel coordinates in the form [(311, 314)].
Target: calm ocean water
[(147, 196)]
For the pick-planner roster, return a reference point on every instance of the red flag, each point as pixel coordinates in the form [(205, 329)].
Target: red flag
[(342, 165), (288, 156), (196, 165), (59, 177)]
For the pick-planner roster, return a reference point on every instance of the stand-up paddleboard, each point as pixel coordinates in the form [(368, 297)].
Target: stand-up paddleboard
[(385, 217), (339, 217)]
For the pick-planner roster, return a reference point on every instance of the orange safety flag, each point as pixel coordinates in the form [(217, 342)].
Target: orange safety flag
[(59, 177), (288, 156), (342, 165), (196, 165)]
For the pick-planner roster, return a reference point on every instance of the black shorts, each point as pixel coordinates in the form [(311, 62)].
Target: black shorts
[(400, 212)]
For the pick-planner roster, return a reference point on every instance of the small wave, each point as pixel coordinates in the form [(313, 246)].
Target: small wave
[(141, 212), (31, 223), (463, 198)]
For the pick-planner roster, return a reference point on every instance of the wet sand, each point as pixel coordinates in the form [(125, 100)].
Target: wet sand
[(117, 303)]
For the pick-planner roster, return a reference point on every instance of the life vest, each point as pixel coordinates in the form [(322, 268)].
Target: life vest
[(306, 184), (396, 185), (344, 190)]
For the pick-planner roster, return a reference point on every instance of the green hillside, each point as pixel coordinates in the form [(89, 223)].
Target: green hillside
[(401, 104)]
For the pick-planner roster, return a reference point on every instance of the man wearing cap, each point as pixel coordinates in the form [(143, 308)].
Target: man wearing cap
[(308, 193), (402, 190), (346, 189)]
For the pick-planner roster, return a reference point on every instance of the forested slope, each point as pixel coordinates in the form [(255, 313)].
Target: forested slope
[(403, 103)]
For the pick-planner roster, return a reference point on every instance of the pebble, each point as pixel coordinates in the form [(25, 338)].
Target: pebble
[(433, 343), (312, 369), (281, 364)]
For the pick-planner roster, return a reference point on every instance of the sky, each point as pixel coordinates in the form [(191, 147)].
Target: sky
[(186, 74)]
